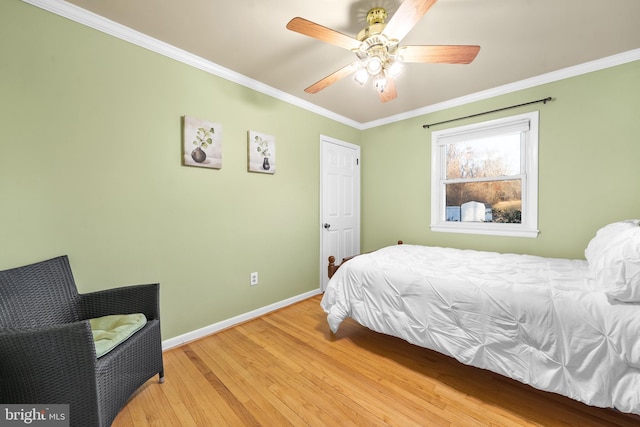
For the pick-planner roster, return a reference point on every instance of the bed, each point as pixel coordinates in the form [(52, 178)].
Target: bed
[(567, 326)]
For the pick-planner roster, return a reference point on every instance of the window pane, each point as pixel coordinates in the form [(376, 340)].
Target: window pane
[(482, 158), (493, 201)]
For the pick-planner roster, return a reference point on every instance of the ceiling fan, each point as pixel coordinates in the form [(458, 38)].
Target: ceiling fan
[(378, 49)]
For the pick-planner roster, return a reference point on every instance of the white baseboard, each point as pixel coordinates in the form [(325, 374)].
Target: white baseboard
[(224, 324)]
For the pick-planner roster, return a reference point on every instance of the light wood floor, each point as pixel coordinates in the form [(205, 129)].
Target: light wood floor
[(286, 368)]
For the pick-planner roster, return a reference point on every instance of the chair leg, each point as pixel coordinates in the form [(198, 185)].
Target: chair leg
[(161, 377)]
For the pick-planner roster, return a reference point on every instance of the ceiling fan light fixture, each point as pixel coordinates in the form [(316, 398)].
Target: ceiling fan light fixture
[(380, 82), (394, 68), (374, 65), (361, 76), (377, 46)]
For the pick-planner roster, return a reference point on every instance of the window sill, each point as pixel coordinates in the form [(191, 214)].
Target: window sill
[(487, 228)]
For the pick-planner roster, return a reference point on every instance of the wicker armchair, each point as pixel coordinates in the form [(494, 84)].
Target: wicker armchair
[(47, 353)]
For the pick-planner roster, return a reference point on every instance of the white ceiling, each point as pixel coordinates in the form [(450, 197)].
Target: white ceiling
[(519, 39)]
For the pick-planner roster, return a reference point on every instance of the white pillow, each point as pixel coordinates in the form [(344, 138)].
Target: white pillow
[(606, 236), (614, 260)]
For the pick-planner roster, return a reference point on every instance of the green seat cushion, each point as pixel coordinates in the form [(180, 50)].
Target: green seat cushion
[(109, 331)]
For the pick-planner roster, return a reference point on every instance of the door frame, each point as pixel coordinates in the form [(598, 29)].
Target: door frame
[(324, 257)]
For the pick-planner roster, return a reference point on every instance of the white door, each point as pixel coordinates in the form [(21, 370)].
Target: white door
[(339, 201)]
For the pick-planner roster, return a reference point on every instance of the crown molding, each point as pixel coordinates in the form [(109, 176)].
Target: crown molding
[(100, 23), (565, 73)]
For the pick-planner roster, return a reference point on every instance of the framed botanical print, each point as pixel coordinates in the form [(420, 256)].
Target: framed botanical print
[(202, 143), (262, 152)]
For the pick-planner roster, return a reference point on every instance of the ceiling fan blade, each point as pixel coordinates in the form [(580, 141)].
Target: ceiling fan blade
[(332, 78), (317, 31), (390, 92), (462, 54), (406, 17)]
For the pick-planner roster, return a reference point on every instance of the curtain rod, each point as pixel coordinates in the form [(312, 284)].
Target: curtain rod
[(545, 100)]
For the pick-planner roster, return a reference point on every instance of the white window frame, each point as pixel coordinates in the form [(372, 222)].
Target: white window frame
[(529, 152)]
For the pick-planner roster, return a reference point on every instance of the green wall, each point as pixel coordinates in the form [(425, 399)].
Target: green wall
[(589, 149), (90, 166)]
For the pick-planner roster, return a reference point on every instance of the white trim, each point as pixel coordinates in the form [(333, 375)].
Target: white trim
[(224, 324), (565, 73), (489, 230), (90, 19)]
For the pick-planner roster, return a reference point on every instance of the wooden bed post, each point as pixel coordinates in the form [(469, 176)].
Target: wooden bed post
[(331, 270), (332, 267)]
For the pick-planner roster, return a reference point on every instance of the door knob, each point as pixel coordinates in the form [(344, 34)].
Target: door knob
[(327, 226)]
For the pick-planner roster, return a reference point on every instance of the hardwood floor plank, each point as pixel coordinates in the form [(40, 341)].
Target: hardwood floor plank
[(242, 377), (155, 409), (204, 402), (124, 417), (288, 385), (373, 381), (238, 409), (309, 381), (284, 347), (287, 369)]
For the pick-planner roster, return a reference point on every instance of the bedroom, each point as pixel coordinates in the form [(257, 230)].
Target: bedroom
[(89, 167)]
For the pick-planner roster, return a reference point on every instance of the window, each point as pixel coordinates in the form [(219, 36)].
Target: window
[(485, 177)]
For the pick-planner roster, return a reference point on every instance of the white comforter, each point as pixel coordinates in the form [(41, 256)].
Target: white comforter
[(529, 318)]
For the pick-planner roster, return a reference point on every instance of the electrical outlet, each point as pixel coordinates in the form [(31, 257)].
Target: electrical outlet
[(254, 278)]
